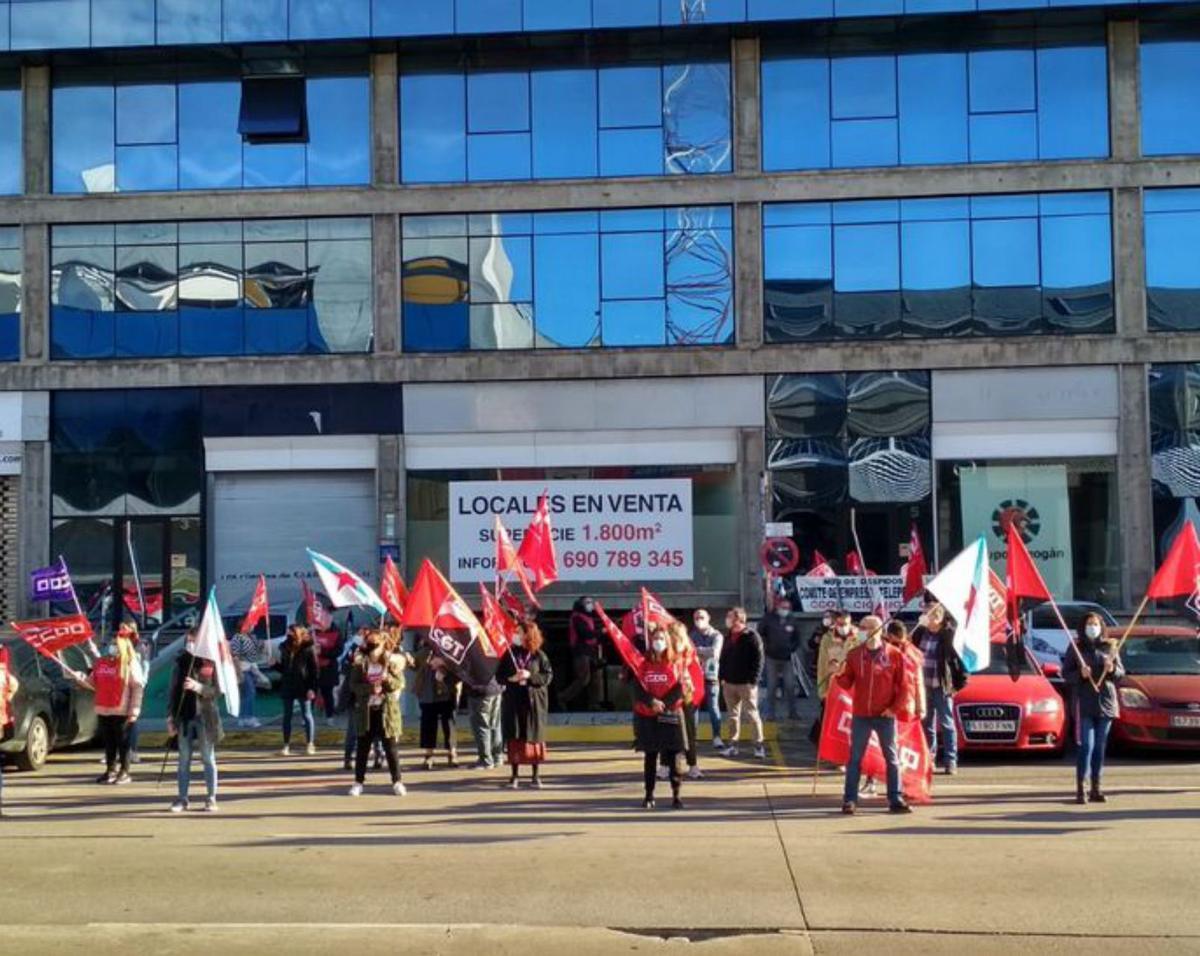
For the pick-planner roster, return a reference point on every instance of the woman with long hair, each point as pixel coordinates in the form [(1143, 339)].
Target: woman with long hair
[(1096, 702), (658, 721), (119, 682), (680, 645), (525, 675), (376, 680), (437, 689), (301, 675)]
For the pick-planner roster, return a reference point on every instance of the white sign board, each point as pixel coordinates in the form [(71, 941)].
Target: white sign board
[(604, 530), (856, 594), (778, 529)]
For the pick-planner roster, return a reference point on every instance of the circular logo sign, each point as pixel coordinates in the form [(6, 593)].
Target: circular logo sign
[(779, 555), (1019, 513)]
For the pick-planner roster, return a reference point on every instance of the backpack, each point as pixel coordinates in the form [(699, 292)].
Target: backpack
[(912, 683)]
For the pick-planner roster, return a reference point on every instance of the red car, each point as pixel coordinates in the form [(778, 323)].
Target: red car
[(1160, 693), (994, 712)]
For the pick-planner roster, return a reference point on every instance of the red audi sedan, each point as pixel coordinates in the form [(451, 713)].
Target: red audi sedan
[(1160, 693), (994, 712)]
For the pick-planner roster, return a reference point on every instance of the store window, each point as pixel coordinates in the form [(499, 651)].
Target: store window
[(892, 100), (178, 126), (1174, 449), (191, 289), (954, 266), (849, 450), (1172, 218), (646, 277), (642, 115), (1170, 87)]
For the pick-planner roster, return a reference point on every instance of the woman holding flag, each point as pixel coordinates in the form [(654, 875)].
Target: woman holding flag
[(525, 674), (193, 718), (1093, 673), (119, 682), (658, 715)]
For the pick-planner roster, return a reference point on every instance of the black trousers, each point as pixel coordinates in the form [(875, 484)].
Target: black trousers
[(433, 715), (114, 732), (669, 761), (374, 733), (689, 728)]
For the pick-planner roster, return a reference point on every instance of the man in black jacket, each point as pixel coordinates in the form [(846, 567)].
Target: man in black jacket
[(781, 639), (944, 675), (741, 670)]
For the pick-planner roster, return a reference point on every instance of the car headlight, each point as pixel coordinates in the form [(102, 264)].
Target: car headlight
[(1048, 705), (1133, 698)]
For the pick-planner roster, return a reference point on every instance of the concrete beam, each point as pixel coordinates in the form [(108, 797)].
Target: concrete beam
[(751, 464), (385, 120), (35, 293), (385, 259), (747, 141), (1129, 258), (810, 186), (748, 277), (1124, 90), (35, 129), (1134, 483)]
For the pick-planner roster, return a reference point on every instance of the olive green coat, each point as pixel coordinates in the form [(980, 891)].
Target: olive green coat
[(360, 690)]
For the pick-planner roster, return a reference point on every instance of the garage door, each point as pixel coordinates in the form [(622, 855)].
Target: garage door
[(262, 522)]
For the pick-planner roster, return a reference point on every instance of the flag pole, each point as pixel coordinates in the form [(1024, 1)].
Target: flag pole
[(1129, 627), (78, 607), (1071, 640)]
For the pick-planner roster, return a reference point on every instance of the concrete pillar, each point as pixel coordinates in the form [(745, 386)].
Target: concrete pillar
[(748, 276), (385, 259), (388, 492), (35, 126), (1133, 483), (33, 550), (747, 145), (385, 120), (35, 292), (1124, 90), (1129, 258), (751, 464)]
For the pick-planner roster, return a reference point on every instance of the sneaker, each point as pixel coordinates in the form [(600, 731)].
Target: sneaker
[(135, 757), (718, 744), (537, 784), (648, 803), (900, 807), (481, 764), (849, 808), (253, 722), (241, 723), (123, 778), (513, 784), (347, 764), (427, 763), (870, 789), (210, 805), (760, 752), (663, 773), (695, 773), (951, 769), (676, 804), (356, 789), (399, 789), (179, 806), (285, 751), (310, 749), (109, 776), (731, 750)]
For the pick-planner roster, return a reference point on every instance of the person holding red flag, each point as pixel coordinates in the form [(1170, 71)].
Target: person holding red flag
[(1093, 673), (583, 630), (119, 683), (8, 690), (658, 715), (525, 674), (944, 674)]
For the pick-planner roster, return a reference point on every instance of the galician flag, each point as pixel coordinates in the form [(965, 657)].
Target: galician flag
[(964, 589), (211, 645), (344, 587)]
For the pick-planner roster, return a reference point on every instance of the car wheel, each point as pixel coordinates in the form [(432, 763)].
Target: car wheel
[(37, 745)]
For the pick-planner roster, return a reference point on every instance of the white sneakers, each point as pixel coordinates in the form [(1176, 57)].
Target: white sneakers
[(310, 749), (731, 750), (718, 744), (285, 751), (663, 773), (356, 790), (760, 752), (399, 789), (695, 773)]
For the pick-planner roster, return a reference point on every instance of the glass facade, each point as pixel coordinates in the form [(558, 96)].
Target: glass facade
[(176, 126), (10, 293), (644, 277), (962, 266), (641, 116), (1174, 449), (253, 287), (877, 102), (840, 442), (1172, 270), (1170, 87), (11, 129)]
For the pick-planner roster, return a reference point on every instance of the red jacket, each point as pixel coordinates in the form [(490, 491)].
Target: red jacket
[(876, 679)]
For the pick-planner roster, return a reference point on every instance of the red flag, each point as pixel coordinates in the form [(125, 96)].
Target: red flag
[(51, 636), (821, 567), (1021, 576), (315, 611), (507, 562), (537, 547), (453, 629), (1179, 571), (392, 591), (512, 604), (998, 623), (915, 568), (258, 607), (496, 621), (654, 612), (629, 654)]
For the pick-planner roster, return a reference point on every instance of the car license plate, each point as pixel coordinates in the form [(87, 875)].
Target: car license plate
[(991, 727), (1184, 720)]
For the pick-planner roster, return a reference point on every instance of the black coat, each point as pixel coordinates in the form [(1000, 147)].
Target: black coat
[(742, 658), (1090, 702), (525, 708), (952, 674), (300, 670), (664, 733)]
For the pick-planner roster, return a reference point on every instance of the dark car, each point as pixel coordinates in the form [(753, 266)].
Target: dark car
[(49, 711)]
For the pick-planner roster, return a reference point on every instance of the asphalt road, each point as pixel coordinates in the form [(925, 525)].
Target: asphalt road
[(755, 864)]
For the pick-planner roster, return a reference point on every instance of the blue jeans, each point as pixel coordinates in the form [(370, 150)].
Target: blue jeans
[(249, 693), (712, 707), (484, 714), (191, 739), (861, 729), (1093, 737), (306, 714), (940, 714), (134, 735)]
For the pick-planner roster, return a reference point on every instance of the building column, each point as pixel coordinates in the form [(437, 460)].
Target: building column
[(35, 129), (748, 276), (385, 121), (1124, 90), (747, 142), (751, 463), (385, 267), (35, 292), (390, 490), (1134, 483), (35, 240), (34, 515)]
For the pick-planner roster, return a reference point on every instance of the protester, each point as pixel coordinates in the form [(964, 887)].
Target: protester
[(195, 721), (708, 641), (836, 643), (583, 631), (119, 682), (874, 673), (781, 640), (483, 712), (247, 654), (328, 644), (1096, 702), (812, 654), (823, 635), (437, 691), (659, 729), (142, 660), (684, 655), (9, 685), (376, 680), (944, 674), (525, 674), (300, 670), (740, 671)]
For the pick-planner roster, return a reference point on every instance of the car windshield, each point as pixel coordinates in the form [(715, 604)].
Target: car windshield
[(1044, 618), (1162, 655), (999, 663)]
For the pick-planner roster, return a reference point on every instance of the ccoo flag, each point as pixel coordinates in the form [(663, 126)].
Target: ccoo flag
[(344, 587), (392, 590), (211, 645), (537, 547), (964, 589)]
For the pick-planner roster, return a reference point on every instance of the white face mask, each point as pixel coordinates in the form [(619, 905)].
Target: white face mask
[(827, 622), (518, 641), (844, 630), (659, 645), (1092, 631)]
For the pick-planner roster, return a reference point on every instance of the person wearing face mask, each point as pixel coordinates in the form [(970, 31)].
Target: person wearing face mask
[(812, 663), (781, 640), (658, 716), (708, 642), (9, 685), (525, 675), (583, 631), (376, 680), (194, 719), (1096, 703), (301, 674), (943, 675), (874, 673), (741, 669), (437, 689), (119, 682), (837, 642)]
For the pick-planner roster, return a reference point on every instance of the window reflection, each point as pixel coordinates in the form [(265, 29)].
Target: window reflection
[(1172, 218), (568, 280), (1170, 78)]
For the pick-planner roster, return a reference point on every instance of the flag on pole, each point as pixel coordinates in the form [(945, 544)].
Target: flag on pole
[(629, 654), (211, 645), (508, 563), (537, 547), (51, 636), (344, 587), (914, 568), (51, 584), (500, 626), (259, 609), (392, 591), (315, 612), (964, 590), (854, 566), (821, 567), (1021, 576), (1180, 569), (454, 631)]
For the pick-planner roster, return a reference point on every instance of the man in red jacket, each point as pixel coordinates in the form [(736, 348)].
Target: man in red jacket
[(874, 674)]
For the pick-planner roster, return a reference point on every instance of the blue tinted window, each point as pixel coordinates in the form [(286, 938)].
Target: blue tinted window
[(411, 17), (711, 11), (634, 322), (497, 102), (433, 142), (49, 24), (1002, 81), (795, 95), (1005, 252), (1172, 218), (1003, 136), (864, 142), (339, 112), (498, 156), (866, 258), (631, 96), (189, 21), (83, 128), (320, 19), (210, 153), (260, 20), (122, 22), (147, 167), (567, 290), (565, 137), (1170, 97), (145, 114), (1072, 102), (487, 16), (627, 264), (10, 141), (696, 118), (624, 13), (933, 108), (272, 164), (864, 86), (631, 152), (558, 14)]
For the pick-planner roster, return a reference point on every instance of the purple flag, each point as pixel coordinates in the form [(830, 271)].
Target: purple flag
[(51, 584)]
